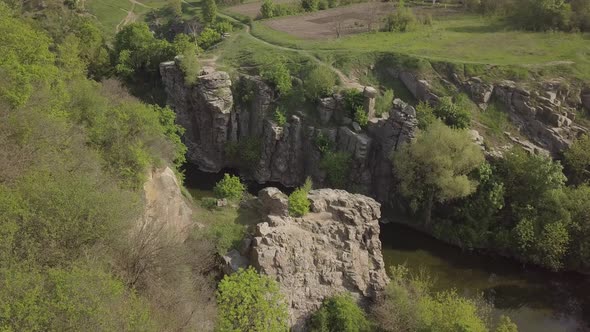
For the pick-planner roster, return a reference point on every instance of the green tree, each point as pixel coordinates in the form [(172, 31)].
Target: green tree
[(578, 204), (339, 314), (542, 15), (230, 187), (72, 299), (250, 302), (137, 51), (298, 202), (425, 115), (26, 62), (209, 11), (435, 167), (526, 176), (577, 160)]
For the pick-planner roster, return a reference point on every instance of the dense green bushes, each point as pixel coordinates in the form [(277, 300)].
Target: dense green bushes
[(402, 20), (339, 314), (319, 82), (229, 187), (539, 15), (277, 73), (248, 301), (74, 154), (336, 164)]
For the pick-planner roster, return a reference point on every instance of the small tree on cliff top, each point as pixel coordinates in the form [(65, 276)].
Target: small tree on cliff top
[(298, 202), (250, 302)]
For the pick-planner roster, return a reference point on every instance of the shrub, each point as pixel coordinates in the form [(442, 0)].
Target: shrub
[(310, 5), (402, 20), (298, 202), (319, 82), (322, 143), (411, 305), (230, 187), (267, 9), (209, 202), (278, 74), (245, 153), (542, 15), (336, 165), (248, 301), (353, 99), (223, 26), (452, 114), (189, 64), (339, 314), (384, 102), (208, 38), (425, 115), (280, 117), (361, 117)]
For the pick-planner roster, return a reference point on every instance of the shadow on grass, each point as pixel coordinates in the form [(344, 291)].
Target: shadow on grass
[(496, 26)]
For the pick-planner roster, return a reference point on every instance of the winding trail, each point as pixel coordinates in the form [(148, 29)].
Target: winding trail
[(347, 82)]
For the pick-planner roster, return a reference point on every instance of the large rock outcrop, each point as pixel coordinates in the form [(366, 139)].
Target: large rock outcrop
[(205, 111), (333, 249), (217, 113)]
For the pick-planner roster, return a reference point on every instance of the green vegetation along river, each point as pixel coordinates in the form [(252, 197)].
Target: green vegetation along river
[(535, 299)]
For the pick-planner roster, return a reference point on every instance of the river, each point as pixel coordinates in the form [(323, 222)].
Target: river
[(535, 299)]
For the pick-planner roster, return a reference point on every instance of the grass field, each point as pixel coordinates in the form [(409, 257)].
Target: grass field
[(466, 39), (112, 13)]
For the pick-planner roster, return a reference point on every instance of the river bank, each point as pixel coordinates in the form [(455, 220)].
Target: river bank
[(536, 299)]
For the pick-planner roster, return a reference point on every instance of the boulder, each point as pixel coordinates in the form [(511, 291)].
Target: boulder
[(274, 202), (333, 249), (233, 261), (480, 91)]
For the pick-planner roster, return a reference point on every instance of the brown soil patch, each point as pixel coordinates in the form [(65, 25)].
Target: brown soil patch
[(347, 20), (252, 9)]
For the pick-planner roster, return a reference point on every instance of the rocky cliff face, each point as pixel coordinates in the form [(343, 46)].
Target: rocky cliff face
[(205, 111), (544, 115), (214, 117), (333, 249), (166, 212)]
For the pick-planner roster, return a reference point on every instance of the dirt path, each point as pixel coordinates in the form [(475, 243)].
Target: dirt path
[(131, 16), (347, 82)]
